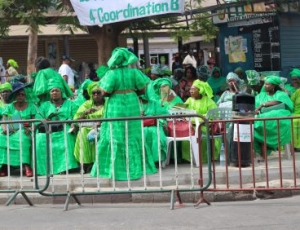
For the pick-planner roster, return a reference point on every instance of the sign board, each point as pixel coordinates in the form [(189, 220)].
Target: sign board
[(266, 47), (243, 13), (100, 12), (242, 133)]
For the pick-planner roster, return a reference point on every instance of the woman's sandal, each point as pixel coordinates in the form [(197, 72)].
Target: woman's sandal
[(28, 172)]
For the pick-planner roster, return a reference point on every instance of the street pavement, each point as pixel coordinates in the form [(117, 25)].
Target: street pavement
[(275, 214)]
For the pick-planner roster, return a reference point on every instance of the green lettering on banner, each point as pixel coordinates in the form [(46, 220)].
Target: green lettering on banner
[(174, 5), (142, 11), (92, 17), (149, 8), (100, 10)]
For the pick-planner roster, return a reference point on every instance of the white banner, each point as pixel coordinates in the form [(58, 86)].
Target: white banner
[(244, 133), (100, 12)]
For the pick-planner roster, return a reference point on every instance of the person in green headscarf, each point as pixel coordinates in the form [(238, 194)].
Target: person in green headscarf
[(152, 134), (295, 76), (122, 86), (201, 101), (234, 84), (163, 89), (5, 91), (91, 109), (255, 81), (57, 108), (217, 82), (11, 71), (273, 97), (82, 93), (19, 137), (44, 74)]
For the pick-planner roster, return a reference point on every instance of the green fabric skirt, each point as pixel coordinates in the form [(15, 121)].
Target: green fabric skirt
[(62, 157)]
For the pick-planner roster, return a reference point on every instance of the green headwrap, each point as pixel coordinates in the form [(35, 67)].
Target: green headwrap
[(273, 80), (5, 86), (233, 76), (13, 63), (204, 88), (121, 57), (91, 87), (158, 83), (239, 70), (295, 73), (54, 83), (85, 84), (101, 71), (253, 77)]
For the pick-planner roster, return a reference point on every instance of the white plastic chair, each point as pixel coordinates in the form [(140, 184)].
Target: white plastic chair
[(177, 139), (212, 114)]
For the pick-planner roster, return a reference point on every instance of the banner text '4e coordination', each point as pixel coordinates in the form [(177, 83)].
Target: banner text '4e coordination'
[(100, 12)]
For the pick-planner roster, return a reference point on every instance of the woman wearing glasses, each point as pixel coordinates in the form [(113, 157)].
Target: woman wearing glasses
[(59, 108), (91, 109), (19, 135)]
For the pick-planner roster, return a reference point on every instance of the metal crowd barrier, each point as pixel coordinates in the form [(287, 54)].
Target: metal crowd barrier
[(277, 173), (171, 179)]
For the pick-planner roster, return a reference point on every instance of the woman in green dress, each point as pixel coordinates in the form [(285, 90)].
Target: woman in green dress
[(62, 144), (201, 101), (151, 134), (167, 97), (91, 109), (295, 75), (20, 109), (120, 145), (272, 96)]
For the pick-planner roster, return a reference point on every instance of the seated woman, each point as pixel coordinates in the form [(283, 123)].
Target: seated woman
[(295, 75), (201, 101), (20, 109), (58, 108), (273, 95), (153, 108), (183, 88), (168, 97), (234, 83), (91, 109), (217, 82)]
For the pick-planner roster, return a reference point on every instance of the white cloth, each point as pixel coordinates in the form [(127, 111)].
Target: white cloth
[(65, 69), (190, 60)]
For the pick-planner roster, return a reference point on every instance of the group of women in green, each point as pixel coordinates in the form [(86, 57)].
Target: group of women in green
[(124, 150)]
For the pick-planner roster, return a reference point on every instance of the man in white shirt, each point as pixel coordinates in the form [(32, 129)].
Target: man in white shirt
[(66, 72), (189, 60)]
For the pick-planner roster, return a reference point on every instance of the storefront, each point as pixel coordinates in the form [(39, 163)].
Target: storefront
[(259, 37)]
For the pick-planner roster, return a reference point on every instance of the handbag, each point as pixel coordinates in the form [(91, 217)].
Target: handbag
[(54, 128), (149, 122), (183, 128), (217, 128), (273, 107)]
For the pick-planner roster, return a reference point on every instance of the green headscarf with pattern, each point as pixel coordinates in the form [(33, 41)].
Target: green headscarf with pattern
[(253, 77), (54, 83), (91, 87), (121, 57), (5, 87), (295, 73), (275, 80), (203, 87)]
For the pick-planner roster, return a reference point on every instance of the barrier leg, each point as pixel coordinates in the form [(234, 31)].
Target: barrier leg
[(13, 197), (177, 199), (66, 207), (201, 200)]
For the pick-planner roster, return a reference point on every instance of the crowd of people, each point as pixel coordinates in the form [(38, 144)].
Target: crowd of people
[(122, 90)]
